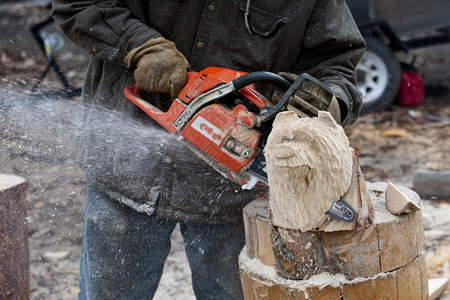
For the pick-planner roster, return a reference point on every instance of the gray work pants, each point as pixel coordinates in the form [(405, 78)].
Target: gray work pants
[(124, 251)]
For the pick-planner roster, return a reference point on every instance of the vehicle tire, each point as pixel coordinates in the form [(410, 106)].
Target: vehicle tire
[(378, 76)]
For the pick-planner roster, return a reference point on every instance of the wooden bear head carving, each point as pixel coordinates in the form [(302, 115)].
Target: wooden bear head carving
[(309, 166)]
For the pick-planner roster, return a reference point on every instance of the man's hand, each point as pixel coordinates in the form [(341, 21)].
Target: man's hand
[(333, 107), (160, 67)]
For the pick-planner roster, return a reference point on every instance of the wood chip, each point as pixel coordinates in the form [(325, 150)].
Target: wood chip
[(397, 202), (71, 271), (74, 290), (394, 132), (437, 262), (56, 255), (9, 181), (436, 286)]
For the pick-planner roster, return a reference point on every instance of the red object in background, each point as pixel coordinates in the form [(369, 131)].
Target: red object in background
[(411, 91)]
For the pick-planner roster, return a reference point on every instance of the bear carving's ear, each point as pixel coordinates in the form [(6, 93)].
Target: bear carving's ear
[(284, 117), (326, 117)]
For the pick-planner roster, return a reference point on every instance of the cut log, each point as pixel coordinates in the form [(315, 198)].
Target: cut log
[(361, 264), (14, 262), (432, 183), (310, 165), (398, 203), (262, 282)]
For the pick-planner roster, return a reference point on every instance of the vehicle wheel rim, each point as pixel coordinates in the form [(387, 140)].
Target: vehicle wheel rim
[(372, 76)]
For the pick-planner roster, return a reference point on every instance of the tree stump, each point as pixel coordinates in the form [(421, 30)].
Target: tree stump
[(14, 262), (382, 261)]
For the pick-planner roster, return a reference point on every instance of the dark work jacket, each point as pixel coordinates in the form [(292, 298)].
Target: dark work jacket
[(128, 156)]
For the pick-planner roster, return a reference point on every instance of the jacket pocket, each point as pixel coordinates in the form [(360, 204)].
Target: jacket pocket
[(256, 39)]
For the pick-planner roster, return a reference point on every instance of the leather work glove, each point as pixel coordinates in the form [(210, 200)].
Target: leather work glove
[(160, 67), (333, 108)]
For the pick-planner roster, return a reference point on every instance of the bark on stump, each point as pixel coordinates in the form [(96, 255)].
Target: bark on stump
[(14, 262), (383, 261)]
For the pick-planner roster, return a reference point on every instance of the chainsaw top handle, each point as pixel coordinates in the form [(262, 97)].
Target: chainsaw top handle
[(261, 76), (270, 111), (220, 91), (303, 81)]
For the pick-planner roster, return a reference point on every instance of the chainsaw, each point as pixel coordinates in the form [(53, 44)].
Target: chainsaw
[(226, 122)]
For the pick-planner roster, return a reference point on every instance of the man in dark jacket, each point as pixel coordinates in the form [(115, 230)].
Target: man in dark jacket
[(141, 181)]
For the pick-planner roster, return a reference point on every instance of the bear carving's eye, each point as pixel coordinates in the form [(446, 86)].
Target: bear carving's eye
[(286, 139)]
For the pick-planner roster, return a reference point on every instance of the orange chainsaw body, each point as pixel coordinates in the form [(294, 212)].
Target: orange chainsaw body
[(225, 133)]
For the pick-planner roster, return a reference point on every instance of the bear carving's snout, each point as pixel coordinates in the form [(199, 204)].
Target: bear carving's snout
[(284, 151)]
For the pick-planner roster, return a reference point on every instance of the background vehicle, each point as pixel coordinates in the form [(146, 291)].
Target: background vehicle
[(391, 26)]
